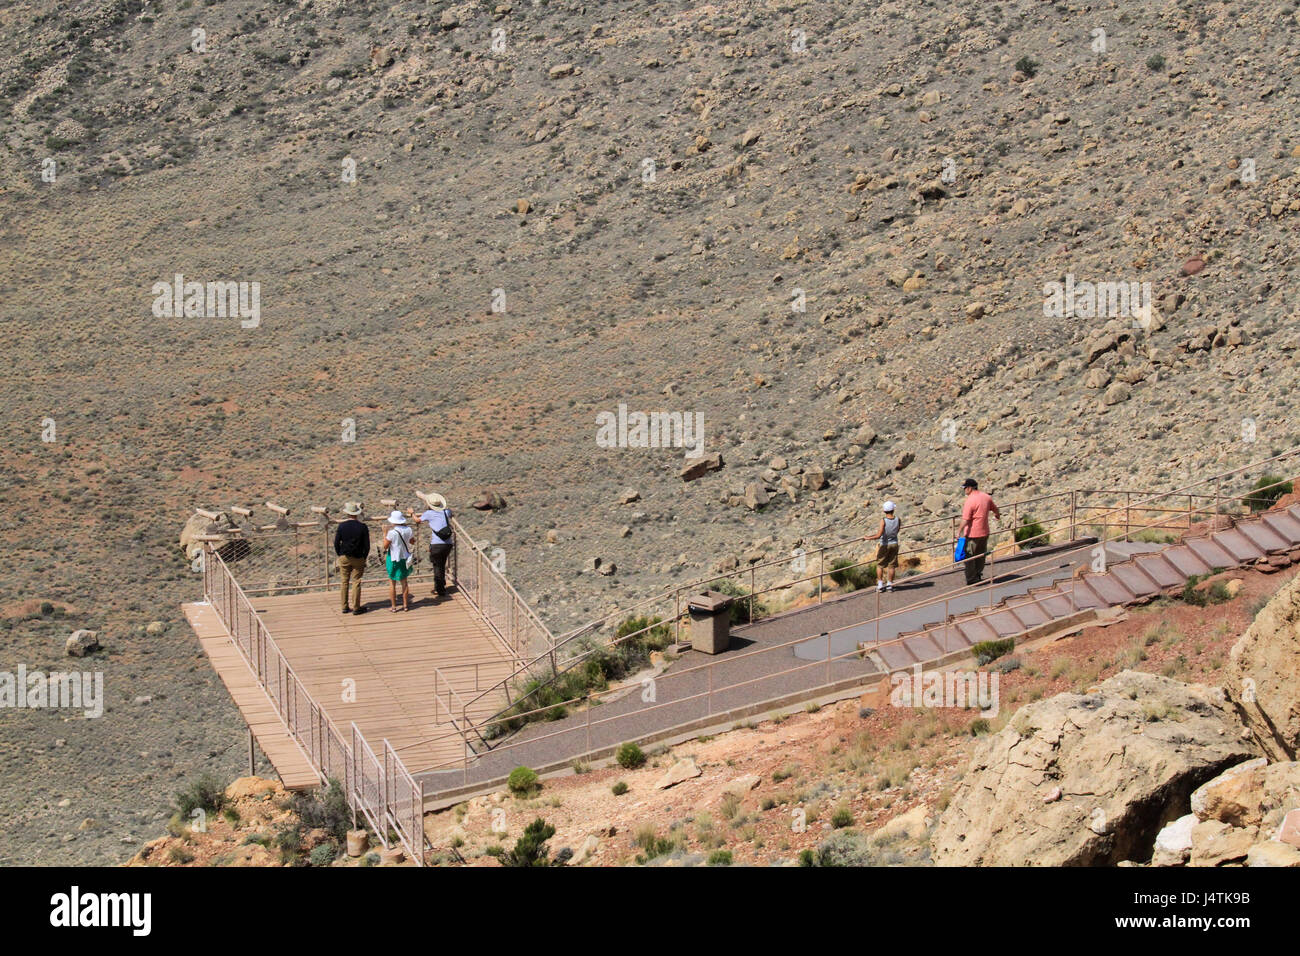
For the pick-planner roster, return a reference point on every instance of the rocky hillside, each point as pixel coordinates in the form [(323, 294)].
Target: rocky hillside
[(1145, 768), (831, 232)]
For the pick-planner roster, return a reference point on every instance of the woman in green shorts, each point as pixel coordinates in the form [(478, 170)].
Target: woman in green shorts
[(398, 559)]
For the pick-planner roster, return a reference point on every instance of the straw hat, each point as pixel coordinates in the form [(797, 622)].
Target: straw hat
[(352, 508), (435, 500), (397, 518)]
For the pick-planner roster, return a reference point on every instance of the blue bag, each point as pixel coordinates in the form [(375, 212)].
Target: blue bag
[(959, 553)]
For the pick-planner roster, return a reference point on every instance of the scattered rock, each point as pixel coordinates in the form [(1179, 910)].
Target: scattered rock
[(681, 771), (82, 642), (699, 467)]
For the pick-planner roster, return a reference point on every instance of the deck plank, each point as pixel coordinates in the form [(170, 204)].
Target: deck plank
[(389, 660)]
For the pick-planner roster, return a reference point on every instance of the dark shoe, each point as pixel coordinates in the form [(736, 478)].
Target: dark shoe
[(347, 610), (359, 610)]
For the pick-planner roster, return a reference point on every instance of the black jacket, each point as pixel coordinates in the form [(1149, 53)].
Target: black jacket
[(352, 539)]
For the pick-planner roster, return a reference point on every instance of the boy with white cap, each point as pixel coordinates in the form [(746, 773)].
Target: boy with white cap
[(398, 559), (887, 552)]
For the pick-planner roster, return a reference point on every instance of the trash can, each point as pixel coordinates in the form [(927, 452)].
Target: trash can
[(710, 622)]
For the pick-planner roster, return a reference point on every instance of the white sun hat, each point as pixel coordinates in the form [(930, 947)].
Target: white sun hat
[(889, 506), (397, 518)]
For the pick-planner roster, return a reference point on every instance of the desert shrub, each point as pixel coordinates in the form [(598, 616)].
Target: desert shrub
[(530, 849), (1264, 493), (720, 858), (1030, 534), (1155, 63), (178, 854), (619, 789), (740, 606), (1216, 593), (843, 848), (206, 794), (989, 651), (327, 810), (851, 578), (1008, 665), (841, 818), (630, 756), (648, 839), (323, 854), (595, 664), (523, 781), (979, 727), (1027, 65)]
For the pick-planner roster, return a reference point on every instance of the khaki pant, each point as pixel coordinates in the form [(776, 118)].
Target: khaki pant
[(976, 554), (350, 571)]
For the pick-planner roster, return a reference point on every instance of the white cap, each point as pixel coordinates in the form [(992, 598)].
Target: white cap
[(889, 506)]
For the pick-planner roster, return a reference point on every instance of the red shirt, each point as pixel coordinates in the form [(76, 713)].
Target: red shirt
[(976, 512)]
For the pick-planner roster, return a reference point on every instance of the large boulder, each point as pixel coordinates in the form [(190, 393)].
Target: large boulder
[(1089, 779), (1264, 674), (199, 525)]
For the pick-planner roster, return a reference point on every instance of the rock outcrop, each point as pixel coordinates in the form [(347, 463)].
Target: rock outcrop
[(1248, 815), (1264, 669), (1089, 779)]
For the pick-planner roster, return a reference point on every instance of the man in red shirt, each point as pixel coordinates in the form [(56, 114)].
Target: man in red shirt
[(975, 528)]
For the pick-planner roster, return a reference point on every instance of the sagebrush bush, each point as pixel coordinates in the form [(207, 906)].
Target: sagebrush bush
[(988, 651), (851, 578), (523, 781), (630, 756), (206, 794), (1264, 493), (1030, 534)]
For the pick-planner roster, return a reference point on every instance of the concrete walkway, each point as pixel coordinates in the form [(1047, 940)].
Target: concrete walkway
[(763, 665)]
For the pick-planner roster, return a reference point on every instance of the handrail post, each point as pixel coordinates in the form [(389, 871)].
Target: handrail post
[(821, 571), (1128, 517), (1073, 529)]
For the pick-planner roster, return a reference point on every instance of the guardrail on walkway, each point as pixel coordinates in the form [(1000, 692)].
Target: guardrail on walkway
[(386, 793), (515, 624), (1104, 517), (300, 557)]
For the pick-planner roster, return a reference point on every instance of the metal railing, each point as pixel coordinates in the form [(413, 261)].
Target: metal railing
[(382, 793), (514, 623), (300, 557), (1076, 511)]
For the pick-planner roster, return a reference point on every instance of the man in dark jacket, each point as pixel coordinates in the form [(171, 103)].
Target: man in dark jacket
[(352, 545)]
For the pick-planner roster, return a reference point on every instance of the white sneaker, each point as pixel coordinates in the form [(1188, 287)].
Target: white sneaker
[(880, 585), (889, 586)]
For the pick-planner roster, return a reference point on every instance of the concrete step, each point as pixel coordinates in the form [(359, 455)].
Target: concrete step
[(1029, 614), (1264, 537), (896, 655), (1211, 553), (1004, 622), (1057, 604), (1160, 569), (1084, 596), (1135, 579), (1187, 561), (1238, 546), (1109, 588), (976, 630), (1284, 524)]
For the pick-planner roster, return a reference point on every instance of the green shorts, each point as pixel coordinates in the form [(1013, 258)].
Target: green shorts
[(397, 570)]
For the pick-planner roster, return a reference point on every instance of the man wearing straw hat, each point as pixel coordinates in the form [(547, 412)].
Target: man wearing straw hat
[(438, 517), (352, 545)]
